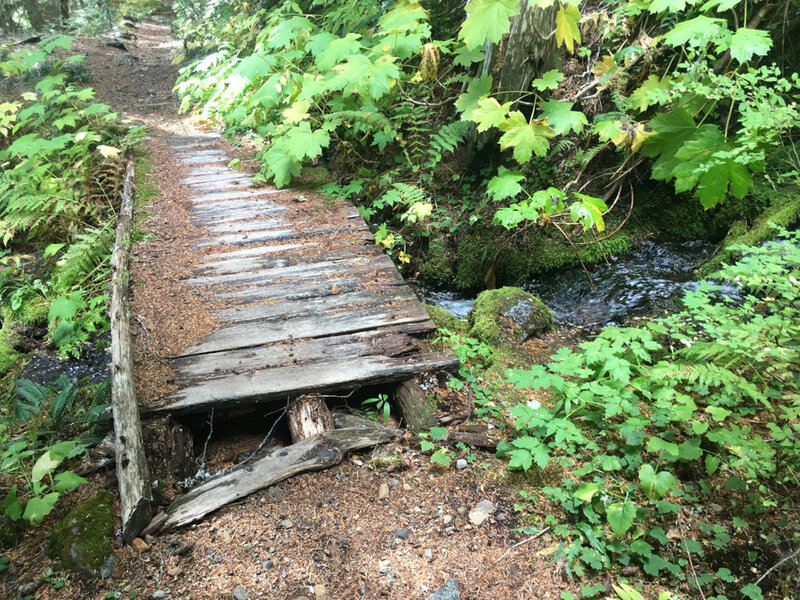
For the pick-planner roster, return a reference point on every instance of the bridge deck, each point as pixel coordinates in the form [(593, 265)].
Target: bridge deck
[(305, 299)]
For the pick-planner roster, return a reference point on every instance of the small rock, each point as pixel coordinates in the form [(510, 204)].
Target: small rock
[(267, 564), (402, 533), (406, 487), (107, 568), (174, 571), (358, 463), (428, 553), (240, 593), (462, 510), (321, 592), (275, 493), (158, 594), (216, 559), (183, 549), (150, 539), (140, 545), (461, 464), (394, 481), (28, 588), (448, 592), (447, 519), (501, 516), (481, 512), (383, 567), (287, 524), (383, 491)]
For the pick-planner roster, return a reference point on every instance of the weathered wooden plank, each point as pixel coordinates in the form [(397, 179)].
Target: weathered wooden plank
[(310, 269), (273, 235), (254, 251), (233, 210), (390, 341), (246, 225), (271, 384), (283, 259), (225, 175), (255, 333), (204, 159), (230, 185), (310, 289), (235, 195), (206, 169), (353, 301), (132, 475), (311, 454)]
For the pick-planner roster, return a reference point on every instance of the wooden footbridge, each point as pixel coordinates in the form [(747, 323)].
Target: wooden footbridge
[(306, 300), (306, 303)]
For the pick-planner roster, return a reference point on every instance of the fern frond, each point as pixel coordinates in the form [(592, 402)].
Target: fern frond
[(82, 258)]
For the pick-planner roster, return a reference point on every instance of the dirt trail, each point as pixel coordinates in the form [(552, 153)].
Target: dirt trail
[(381, 525)]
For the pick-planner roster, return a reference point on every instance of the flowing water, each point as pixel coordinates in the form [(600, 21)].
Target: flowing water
[(640, 283)]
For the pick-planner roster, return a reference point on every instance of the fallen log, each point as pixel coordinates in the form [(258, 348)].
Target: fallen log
[(414, 406), (134, 484), (314, 453)]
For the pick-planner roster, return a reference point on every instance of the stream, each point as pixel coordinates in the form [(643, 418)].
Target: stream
[(639, 283)]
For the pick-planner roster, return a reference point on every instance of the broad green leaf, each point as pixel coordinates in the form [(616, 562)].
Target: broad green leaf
[(438, 433), (305, 143), (52, 249), (39, 507), (604, 68), (64, 332), (487, 20), (66, 307), (490, 113), (468, 101), (361, 75), (520, 459), (297, 112), (441, 457), (673, 6), (464, 57), (586, 491), (337, 49), (287, 31), (643, 97), (68, 481), (655, 485), (562, 118), (254, 65), (706, 161), (656, 445), (752, 591), (589, 212), (567, 31), (13, 507), (697, 32), (620, 516), (712, 463), (108, 151), (608, 129), (526, 138), (505, 184), (548, 80), (718, 413), (746, 43), (671, 131), (627, 592), (46, 464), (690, 450), (281, 165)]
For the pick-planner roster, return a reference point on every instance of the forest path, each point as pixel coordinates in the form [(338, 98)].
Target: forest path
[(384, 526)]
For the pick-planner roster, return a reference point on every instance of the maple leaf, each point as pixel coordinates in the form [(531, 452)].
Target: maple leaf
[(697, 32), (567, 31), (467, 102), (505, 184), (646, 94), (746, 43), (488, 19), (706, 161), (301, 142), (297, 112), (490, 113), (548, 81), (328, 50), (526, 138), (604, 68), (562, 118), (608, 129), (671, 131), (673, 6)]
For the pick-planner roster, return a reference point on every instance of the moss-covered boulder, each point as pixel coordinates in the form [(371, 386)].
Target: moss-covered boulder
[(8, 340), (508, 314), (443, 318), (437, 268), (82, 539)]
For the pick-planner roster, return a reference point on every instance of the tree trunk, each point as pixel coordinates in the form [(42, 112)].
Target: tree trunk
[(309, 415), (64, 12), (413, 404), (528, 51), (34, 12)]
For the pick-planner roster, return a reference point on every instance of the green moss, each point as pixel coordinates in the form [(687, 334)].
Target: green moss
[(508, 315), (311, 178), (490, 255), (82, 539), (783, 212), (8, 340), (444, 319), (437, 268)]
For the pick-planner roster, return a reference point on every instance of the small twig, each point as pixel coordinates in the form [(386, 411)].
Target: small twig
[(689, 556), (266, 437), (205, 446), (778, 564), (518, 544)]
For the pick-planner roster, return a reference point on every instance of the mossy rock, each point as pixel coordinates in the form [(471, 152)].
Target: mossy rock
[(508, 314), (82, 539), (437, 267), (443, 318), (311, 178)]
